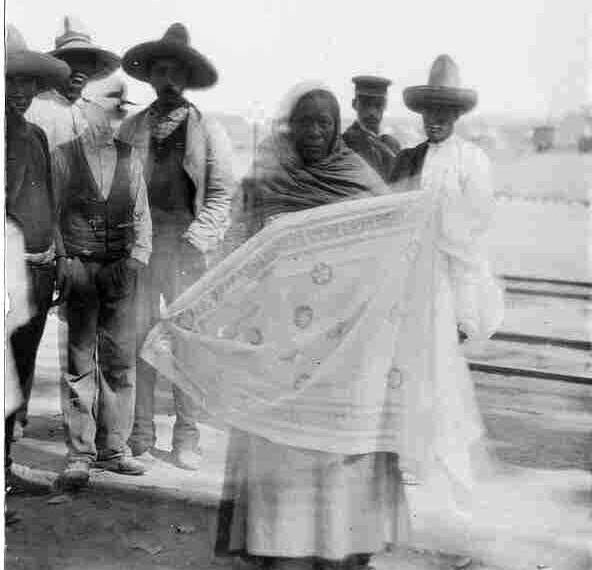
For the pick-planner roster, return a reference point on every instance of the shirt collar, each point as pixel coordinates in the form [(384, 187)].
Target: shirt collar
[(450, 140), (97, 138), (156, 110), (370, 133)]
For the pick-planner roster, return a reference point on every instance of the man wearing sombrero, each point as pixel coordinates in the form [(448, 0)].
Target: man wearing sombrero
[(31, 205), (441, 102), (188, 169), (64, 113), (456, 174)]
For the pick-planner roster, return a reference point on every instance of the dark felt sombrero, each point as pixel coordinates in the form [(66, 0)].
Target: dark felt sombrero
[(75, 45), (174, 44), (443, 89), (48, 70)]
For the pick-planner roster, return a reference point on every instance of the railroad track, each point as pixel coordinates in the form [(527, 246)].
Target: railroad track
[(579, 290), (556, 345)]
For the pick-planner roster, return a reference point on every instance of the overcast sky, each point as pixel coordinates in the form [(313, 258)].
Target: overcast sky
[(523, 56)]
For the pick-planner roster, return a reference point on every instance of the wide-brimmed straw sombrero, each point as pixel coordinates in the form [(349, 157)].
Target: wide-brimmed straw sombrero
[(443, 89), (48, 70), (75, 43), (174, 44)]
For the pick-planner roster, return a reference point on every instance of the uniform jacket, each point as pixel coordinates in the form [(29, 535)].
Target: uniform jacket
[(207, 162), (378, 153), (408, 164)]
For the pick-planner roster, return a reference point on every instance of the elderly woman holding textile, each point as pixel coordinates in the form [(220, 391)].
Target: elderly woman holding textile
[(292, 507), (328, 342)]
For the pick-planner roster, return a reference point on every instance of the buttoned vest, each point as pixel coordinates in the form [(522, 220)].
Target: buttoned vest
[(92, 226)]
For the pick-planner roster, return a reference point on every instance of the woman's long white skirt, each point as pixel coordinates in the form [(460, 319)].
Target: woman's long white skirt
[(291, 502)]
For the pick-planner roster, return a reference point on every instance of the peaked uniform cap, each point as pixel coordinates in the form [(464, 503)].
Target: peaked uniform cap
[(75, 43), (174, 44), (443, 89), (371, 85), (48, 70)]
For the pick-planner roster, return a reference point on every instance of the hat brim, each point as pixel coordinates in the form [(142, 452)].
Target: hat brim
[(422, 97), (101, 62), (136, 62), (50, 71), (370, 93)]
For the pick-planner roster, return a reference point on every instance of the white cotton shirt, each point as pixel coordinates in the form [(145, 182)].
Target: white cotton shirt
[(61, 120), (459, 174)]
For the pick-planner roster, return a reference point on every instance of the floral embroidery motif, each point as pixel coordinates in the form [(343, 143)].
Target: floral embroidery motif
[(301, 380), (394, 313), (338, 330), (254, 336), (412, 250), (290, 357), (185, 320), (395, 378), (340, 417), (228, 331), (165, 341), (321, 274), (303, 316)]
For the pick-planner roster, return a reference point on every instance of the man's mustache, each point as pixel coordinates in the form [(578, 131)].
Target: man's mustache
[(171, 90)]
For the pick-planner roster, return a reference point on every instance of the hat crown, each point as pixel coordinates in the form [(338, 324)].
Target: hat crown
[(15, 42), (371, 85), (176, 33), (444, 73), (73, 30)]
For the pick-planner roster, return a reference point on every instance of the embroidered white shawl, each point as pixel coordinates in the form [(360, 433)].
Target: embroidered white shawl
[(335, 328)]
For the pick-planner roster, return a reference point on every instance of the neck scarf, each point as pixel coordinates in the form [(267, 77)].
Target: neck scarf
[(162, 125)]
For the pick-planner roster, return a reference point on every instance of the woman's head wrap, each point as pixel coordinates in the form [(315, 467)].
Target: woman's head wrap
[(280, 182)]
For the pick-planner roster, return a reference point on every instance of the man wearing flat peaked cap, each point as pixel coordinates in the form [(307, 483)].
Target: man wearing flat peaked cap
[(363, 136)]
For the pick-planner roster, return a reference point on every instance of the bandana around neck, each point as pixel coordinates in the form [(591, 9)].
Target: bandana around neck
[(161, 126)]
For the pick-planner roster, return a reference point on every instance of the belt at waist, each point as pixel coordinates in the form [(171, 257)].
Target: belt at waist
[(42, 258)]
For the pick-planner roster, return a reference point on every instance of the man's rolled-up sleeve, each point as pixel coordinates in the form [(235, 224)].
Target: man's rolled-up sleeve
[(142, 247), (207, 231)]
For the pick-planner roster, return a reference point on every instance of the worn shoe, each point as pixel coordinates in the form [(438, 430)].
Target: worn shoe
[(409, 479), (76, 475), (22, 480), (462, 563), (123, 465), (146, 458), (189, 459)]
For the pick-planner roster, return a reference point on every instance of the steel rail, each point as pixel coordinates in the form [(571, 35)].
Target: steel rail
[(529, 373), (556, 294), (542, 340), (548, 281)]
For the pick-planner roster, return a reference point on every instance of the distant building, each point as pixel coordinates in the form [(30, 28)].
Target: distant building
[(571, 128), (543, 138)]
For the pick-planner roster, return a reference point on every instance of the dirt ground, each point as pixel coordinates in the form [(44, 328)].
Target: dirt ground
[(109, 531), (117, 531)]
